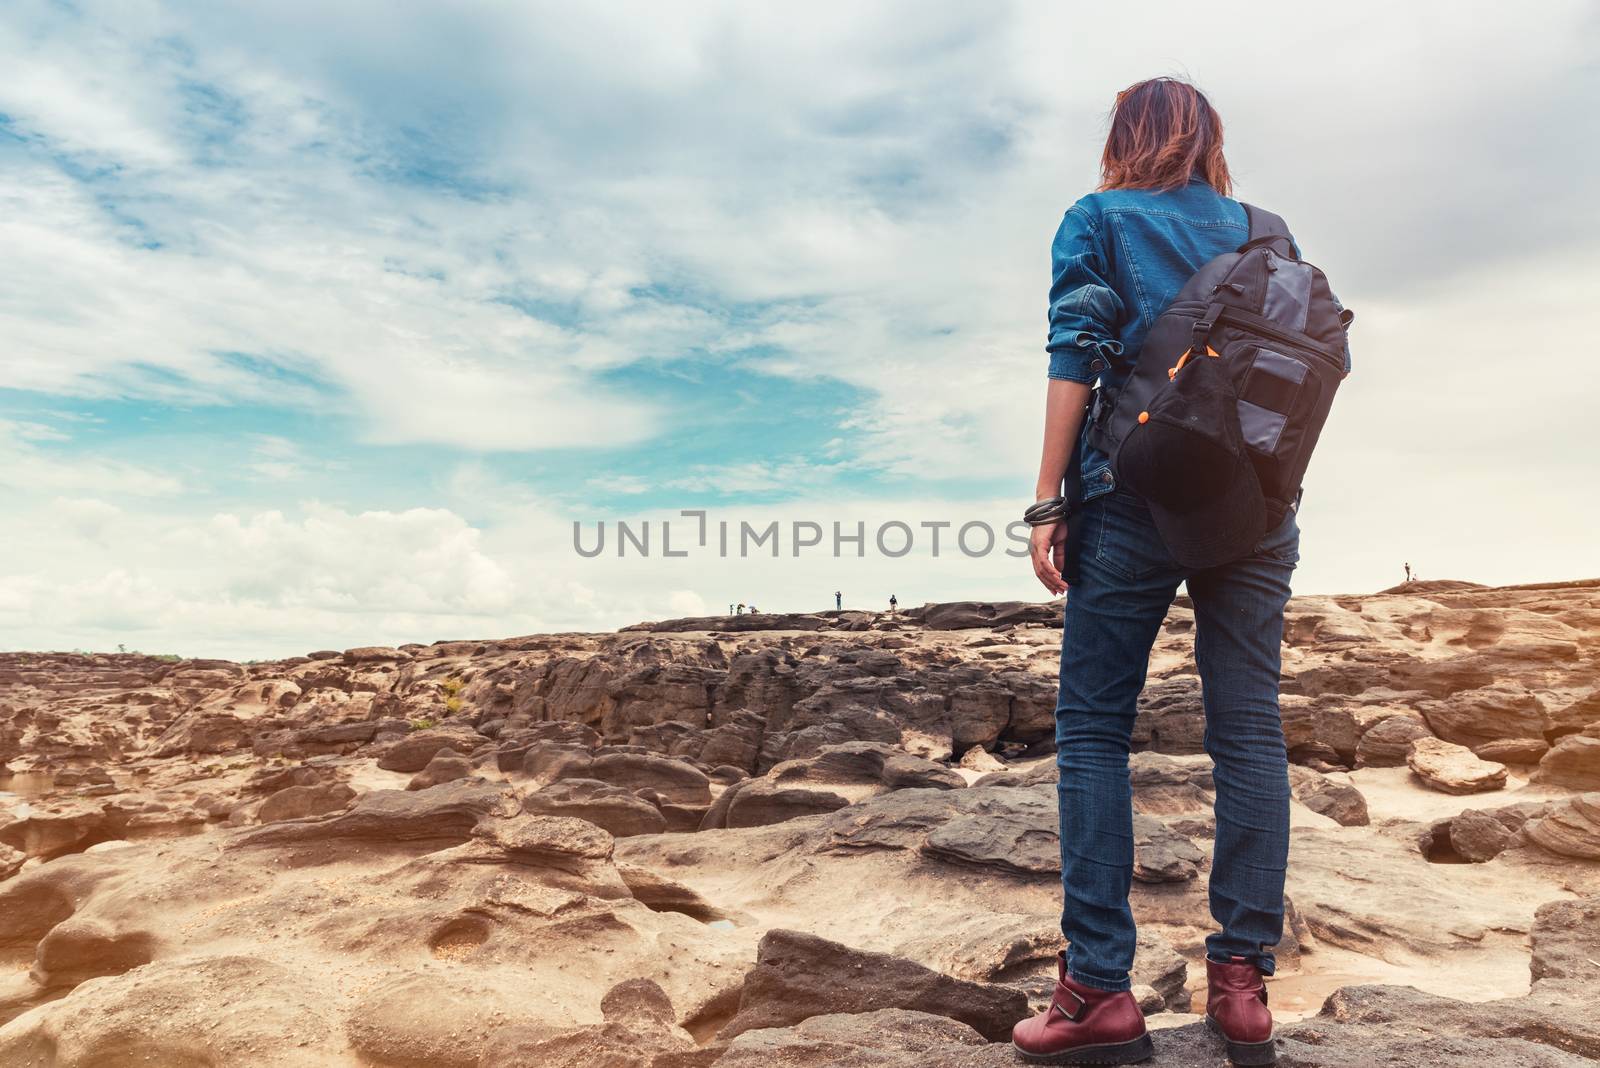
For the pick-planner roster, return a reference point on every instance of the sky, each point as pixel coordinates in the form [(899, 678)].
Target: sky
[(322, 325)]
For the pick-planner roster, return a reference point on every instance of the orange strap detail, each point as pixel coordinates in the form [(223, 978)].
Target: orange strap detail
[(1172, 372)]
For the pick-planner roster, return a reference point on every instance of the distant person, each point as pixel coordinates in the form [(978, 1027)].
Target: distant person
[(752, 609), (1408, 571), (730, 609), (838, 600), (893, 604), (740, 612)]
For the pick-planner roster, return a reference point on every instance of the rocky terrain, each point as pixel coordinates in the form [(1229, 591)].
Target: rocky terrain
[(796, 840)]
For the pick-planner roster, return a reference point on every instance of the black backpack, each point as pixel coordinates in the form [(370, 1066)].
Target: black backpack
[(1280, 335)]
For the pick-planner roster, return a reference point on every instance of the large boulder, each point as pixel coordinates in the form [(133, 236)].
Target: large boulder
[(1513, 750), (90, 776), (1477, 717), (81, 947), (1567, 716), (547, 760), (1478, 836), (1574, 762), (65, 825), (1335, 798), (439, 816), (979, 713), (1571, 829), (413, 752), (566, 853), (1318, 726), (1013, 830), (1387, 743), (1379, 896), (447, 765), (1394, 1026), (201, 730), (298, 802), (759, 802), (513, 745), (1161, 854), (1453, 769), (799, 975), (271, 779), (867, 763), (616, 808), (35, 901), (1162, 785), (560, 841), (1172, 716), (1566, 940), (980, 761), (830, 779), (1009, 829), (1161, 968), (675, 781)]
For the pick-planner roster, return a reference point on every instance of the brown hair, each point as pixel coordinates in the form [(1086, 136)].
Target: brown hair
[(1163, 132)]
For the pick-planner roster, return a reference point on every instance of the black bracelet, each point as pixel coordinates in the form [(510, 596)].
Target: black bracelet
[(1049, 510)]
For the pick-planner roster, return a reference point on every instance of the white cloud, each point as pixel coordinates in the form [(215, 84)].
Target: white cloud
[(26, 467), (277, 459), (246, 584), (796, 477), (101, 106), (84, 574), (876, 185), (627, 485), (689, 603), (87, 518)]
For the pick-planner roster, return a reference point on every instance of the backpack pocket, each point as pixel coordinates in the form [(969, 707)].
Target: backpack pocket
[(1277, 391), (1268, 395)]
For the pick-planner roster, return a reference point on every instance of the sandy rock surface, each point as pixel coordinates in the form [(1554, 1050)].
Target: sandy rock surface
[(803, 839)]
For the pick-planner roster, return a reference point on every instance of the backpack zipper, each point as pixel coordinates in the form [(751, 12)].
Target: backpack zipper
[(1262, 325)]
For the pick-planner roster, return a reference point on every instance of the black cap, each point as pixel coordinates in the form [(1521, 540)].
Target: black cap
[(1187, 459)]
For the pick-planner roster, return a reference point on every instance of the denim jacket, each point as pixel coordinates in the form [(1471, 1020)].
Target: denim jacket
[(1118, 259)]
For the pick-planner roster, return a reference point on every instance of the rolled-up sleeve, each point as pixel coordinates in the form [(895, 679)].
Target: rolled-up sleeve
[(1085, 310)]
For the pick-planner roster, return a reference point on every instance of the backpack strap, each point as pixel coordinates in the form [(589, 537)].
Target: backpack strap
[(1267, 228)]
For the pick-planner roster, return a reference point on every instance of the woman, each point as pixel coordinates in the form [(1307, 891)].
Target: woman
[(1120, 256)]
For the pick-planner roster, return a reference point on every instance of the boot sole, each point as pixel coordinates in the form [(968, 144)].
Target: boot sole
[(1246, 1054), (1139, 1049)]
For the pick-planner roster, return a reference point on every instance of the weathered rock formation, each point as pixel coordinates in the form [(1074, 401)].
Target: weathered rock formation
[(809, 839)]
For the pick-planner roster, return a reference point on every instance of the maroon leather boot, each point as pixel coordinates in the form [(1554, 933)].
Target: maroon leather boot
[(1236, 1009), (1083, 1026)]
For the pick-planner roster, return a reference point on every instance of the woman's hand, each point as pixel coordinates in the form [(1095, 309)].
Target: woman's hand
[(1063, 418), (1048, 547)]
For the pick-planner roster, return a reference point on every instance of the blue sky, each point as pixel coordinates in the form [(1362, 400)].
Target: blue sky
[(321, 324)]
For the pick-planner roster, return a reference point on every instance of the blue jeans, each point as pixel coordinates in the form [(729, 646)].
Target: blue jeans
[(1124, 581)]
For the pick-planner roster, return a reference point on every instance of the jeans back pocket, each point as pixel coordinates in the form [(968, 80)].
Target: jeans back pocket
[(1126, 540)]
